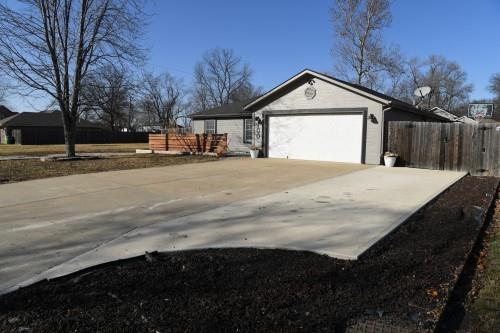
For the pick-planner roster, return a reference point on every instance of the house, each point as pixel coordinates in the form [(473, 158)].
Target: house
[(231, 119), (5, 112), (313, 116), (38, 128), (466, 120), (443, 113)]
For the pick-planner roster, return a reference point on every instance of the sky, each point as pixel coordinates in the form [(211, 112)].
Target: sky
[(279, 38)]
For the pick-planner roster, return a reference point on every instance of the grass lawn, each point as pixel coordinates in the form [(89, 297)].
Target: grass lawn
[(19, 170), (6, 150), (487, 305)]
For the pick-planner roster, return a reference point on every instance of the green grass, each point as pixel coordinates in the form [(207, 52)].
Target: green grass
[(487, 305), (7, 150), (19, 170)]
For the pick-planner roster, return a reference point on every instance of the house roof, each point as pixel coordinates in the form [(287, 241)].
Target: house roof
[(5, 112), (386, 100), (41, 119), (465, 120), (226, 111), (444, 113)]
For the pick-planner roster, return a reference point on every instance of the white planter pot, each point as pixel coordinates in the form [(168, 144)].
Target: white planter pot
[(254, 153), (390, 161)]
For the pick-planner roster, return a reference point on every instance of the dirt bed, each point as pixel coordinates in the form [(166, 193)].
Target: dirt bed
[(404, 280)]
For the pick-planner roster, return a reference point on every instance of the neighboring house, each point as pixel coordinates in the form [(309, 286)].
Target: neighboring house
[(463, 119), (466, 120), (230, 119), (5, 112), (490, 121), (155, 128), (443, 113), (38, 128), (313, 116)]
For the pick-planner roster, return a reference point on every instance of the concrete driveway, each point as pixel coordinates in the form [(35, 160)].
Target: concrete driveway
[(56, 226)]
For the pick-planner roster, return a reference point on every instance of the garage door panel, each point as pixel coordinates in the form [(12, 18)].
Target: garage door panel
[(335, 138)]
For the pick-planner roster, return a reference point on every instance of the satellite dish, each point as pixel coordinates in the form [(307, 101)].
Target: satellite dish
[(422, 91)]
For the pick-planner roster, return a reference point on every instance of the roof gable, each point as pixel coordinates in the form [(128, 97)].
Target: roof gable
[(308, 74), (5, 112)]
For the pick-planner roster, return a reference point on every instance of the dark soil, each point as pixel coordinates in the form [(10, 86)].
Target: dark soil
[(404, 280)]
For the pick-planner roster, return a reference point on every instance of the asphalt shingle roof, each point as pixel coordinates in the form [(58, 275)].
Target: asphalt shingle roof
[(5, 112), (41, 119), (230, 110)]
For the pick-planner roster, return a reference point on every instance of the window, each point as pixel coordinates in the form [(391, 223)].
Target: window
[(247, 130), (210, 126)]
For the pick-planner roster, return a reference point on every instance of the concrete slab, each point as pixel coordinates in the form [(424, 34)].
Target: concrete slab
[(341, 217), (50, 221)]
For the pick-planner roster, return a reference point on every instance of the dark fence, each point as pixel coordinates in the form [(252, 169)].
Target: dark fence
[(55, 135), (447, 146)]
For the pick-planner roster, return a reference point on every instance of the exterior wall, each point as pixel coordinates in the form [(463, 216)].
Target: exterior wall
[(330, 96), (234, 130), (198, 126)]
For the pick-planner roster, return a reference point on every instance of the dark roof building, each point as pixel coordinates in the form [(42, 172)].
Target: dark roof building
[(41, 119), (38, 128), (5, 112)]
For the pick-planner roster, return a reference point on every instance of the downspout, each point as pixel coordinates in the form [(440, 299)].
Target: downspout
[(253, 128), (383, 133)]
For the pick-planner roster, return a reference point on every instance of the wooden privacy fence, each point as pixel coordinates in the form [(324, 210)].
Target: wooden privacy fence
[(447, 146), (192, 143)]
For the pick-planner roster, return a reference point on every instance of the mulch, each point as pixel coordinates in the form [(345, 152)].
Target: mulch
[(404, 280)]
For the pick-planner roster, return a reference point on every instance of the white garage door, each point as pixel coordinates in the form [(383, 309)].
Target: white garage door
[(336, 138)]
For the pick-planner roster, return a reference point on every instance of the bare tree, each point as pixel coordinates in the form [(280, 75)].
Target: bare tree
[(106, 94), (162, 99), (358, 50), (494, 86), (51, 46), (446, 78), (3, 90), (221, 78), (133, 114)]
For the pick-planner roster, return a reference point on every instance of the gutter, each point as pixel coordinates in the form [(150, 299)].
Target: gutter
[(228, 116)]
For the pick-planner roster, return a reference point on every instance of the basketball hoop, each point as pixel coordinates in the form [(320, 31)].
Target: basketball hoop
[(478, 117)]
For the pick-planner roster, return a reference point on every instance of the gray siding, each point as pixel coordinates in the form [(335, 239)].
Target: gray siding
[(234, 130), (198, 126), (329, 96)]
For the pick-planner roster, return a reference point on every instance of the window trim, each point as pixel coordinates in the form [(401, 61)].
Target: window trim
[(244, 130), (205, 126)]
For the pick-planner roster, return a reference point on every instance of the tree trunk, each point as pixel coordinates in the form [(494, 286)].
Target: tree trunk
[(70, 140)]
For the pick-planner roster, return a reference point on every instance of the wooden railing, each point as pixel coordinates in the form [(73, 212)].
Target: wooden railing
[(192, 143)]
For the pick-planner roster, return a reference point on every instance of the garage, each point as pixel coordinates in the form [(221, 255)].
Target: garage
[(314, 116), (319, 137)]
